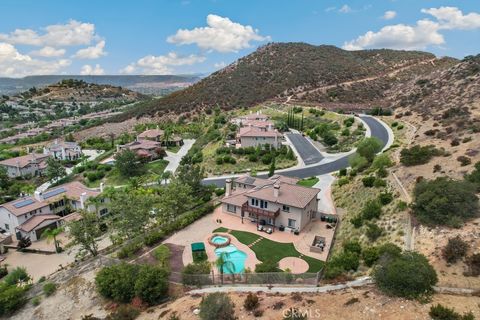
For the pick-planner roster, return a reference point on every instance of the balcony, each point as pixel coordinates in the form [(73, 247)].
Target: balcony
[(259, 211)]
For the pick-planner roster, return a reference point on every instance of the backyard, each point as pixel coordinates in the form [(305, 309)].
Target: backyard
[(266, 249)]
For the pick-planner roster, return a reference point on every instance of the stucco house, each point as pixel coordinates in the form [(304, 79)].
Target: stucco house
[(159, 136), (145, 149), (29, 165), (253, 137), (277, 201), (29, 216), (63, 150)]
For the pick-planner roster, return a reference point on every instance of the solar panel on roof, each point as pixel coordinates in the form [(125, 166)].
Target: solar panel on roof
[(52, 193), (23, 203)]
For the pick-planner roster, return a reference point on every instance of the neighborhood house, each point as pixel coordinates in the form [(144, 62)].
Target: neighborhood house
[(145, 149), (159, 136), (30, 165), (277, 201), (63, 150), (30, 216), (256, 130)]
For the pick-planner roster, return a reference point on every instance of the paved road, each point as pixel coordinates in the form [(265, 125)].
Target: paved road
[(305, 149), (377, 130)]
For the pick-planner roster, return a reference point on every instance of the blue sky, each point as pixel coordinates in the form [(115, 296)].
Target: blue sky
[(201, 36)]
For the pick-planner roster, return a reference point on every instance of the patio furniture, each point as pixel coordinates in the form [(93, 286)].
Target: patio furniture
[(281, 228), (296, 232), (269, 230), (260, 228)]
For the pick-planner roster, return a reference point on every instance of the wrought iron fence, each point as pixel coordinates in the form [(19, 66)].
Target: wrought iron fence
[(268, 278)]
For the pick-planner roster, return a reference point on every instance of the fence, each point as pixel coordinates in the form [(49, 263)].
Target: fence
[(268, 278)]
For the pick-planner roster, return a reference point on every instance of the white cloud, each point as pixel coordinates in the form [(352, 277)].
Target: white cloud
[(419, 36), (220, 34), (88, 70), (59, 35), (389, 15), (453, 18), (329, 9), (345, 9), (94, 52), (49, 52), (220, 65), (161, 64), (15, 64)]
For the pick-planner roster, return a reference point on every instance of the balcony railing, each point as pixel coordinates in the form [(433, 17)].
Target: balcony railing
[(260, 211)]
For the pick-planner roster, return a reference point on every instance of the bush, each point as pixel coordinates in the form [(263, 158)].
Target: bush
[(3, 271), (12, 298), (385, 198), (357, 221), (153, 237), (197, 268), (464, 161), (417, 155), (342, 172), (267, 266), (162, 255), (473, 264), (379, 183), (368, 181), (371, 210), (358, 162), (36, 301), (408, 275), (370, 255), (373, 231), (251, 301), (439, 312), (130, 249), (369, 147), (346, 260), (17, 275), (49, 288), (445, 202), (216, 306), (343, 181), (352, 246), (219, 192), (267, 158), (455, 249), (389, 250), (124, 312), (151, 284)]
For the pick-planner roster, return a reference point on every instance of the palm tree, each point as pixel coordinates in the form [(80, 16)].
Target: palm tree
[(166, 175), (167, 135), (51, 234), (224, 264)]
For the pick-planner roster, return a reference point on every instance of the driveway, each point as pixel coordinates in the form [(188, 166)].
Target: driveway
[(305, 149), (175, 158), (377, 129)]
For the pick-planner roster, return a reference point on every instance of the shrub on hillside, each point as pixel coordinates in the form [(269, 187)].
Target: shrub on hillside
[(371, 210), (368, 181), (408, 275), (445, 202), (369, 147), (417, 155), (124, 312), (17, 275), (162, 255), (151, 284), (49, 288), (473, 264), (251, 302), (455, 249), (358, 162), (464, 161), (267, 266), (370, 255), (12, 298), (352, 246), (217, 306), (439, 312), (192, 274), (385, 198), (153, 237), (379, 183), (373, 231)]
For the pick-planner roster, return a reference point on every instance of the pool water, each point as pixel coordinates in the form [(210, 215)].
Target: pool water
[(219, 240), (234, 255)]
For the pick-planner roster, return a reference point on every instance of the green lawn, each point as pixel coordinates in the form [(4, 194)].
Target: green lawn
[(268, 249), (308, 182), (173, 149), (153, 171)]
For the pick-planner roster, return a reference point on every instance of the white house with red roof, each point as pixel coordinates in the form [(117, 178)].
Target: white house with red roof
[(32, 164)]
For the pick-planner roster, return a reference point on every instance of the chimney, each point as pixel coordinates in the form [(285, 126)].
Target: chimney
[(28, 149), (102, 186), (276, 190), (56, 141), (38, 195), (228, 187), (83, 200)]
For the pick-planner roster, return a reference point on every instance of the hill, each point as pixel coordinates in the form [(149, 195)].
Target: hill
[(147, 84), (303, 72)]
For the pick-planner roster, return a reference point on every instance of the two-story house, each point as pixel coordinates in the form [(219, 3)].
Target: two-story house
[(277, 201), (63, 150), (30, 216), (30, 165)]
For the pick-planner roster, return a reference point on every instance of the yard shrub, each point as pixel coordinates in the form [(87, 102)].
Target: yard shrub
[(3, 271), (372, 210), (12, 298), (124, 312), (358, 162), (344, 261), (17, 275), (369, 147), (352, 246), (153, 237), (379, 183), (216, 306), (389, 250), (455, 249), (368, 181), (439, 312), (343, 181), (373, 231), (199, 256), (445, 202), (151, 284), (408, 275), (162, 255), (473, 264), (36, 301), (251, 301), (385, 198), (219, 192), (130, 248), (357, 221), (49, 288), (342, 172), (370, 255), (464, 161), (267, 266)]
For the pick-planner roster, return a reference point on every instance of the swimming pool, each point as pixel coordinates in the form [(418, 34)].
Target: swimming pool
[(219, 240), (237, 257)]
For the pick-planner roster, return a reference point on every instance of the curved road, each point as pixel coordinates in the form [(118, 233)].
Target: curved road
[(377, 130)]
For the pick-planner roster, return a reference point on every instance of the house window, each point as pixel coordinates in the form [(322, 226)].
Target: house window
[(7, 227), (286, 208), (103, 211), (231, 208), (292, 223), (253, 202), (256, 202)]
